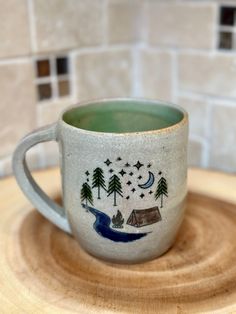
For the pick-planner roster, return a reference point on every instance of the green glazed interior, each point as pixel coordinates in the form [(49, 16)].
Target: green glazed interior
[(122, 116)]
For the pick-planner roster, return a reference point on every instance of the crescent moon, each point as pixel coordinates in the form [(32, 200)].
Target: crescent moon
[(149, 182)]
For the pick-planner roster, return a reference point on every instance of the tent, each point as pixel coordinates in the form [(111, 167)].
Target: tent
[(144, 217)]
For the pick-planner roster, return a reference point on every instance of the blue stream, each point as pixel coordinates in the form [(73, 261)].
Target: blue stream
[(102, 227)]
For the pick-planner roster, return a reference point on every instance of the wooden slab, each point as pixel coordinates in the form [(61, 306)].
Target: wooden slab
[(43, 270)]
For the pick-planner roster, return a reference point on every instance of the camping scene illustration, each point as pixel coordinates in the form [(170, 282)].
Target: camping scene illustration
[(133, 180)]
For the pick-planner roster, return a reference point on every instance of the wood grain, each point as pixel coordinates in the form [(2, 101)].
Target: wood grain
[(43, 270)]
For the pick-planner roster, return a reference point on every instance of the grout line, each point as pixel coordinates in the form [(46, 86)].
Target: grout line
[(73, 77), (217, 100), (32, 25), (46, 79), (83, 50), (216, 29), (226, 28), (195, 3), (38, 116), (204, 154), (53, 77), (105, 23), (174, 77), (208, 128), (192, 51), (204, 144), (20, 60), (189, 51), (40, 150), (8, 156), (196, 138), (2, 174), (7, 160), (144, 34), (117, 47), (43, 80), (137, 90), (42, 159), (192, 95)]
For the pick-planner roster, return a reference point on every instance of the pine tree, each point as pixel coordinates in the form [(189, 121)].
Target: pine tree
[(86, 194), (118, 220), (162, 190), (114, 187), (98, 180)]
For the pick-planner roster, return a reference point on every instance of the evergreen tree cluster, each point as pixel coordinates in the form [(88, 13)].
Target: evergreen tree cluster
[(114, 187)]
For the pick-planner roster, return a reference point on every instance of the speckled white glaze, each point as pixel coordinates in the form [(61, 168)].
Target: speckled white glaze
[(164, 149)]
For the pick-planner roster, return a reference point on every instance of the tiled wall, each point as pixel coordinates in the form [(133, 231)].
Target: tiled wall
[(155, 49)]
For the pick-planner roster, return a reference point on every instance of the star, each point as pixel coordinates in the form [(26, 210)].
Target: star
[(138, 165), (140, 177), (118, 159), (122, 172), (149, 165), (127, 197), (87, 173), (131, 173), (127, 165), (111, 170), (142, 195), (150, 192), (128, 183), (133, 190), (160, 173), (107, 162)]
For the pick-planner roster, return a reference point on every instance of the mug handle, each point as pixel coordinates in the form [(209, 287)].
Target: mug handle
[(46, 206)]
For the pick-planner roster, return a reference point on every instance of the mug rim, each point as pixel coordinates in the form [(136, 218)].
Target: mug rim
[(95, 101)]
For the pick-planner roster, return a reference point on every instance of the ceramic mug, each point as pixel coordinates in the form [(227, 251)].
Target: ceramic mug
[(124, 170)]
